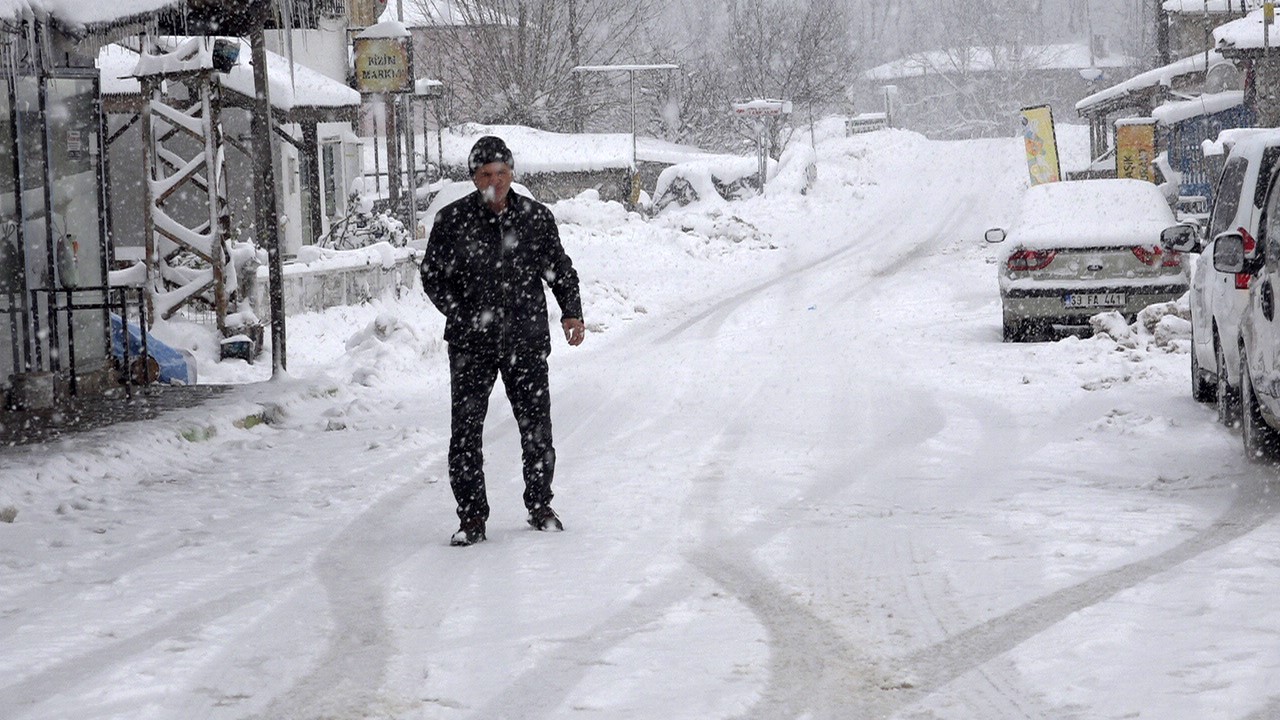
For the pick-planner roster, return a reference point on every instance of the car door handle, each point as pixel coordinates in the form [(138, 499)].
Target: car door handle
[(1267, 298)]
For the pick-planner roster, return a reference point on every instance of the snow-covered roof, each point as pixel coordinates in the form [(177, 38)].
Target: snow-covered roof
[(1175, 112), (1244, 33), (1200, 7), (438, 13), (79, 13), (117, 66), (1069, 56), (1159, 76)]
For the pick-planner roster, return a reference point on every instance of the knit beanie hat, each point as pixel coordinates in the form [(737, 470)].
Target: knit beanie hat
[(489, 149)]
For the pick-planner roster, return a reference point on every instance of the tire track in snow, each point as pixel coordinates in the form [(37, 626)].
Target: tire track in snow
[(970, 649), (813, 672), (542, 689), (348, 678), (769, 604), (812, 667), (798, 634), (1270, 712), (75, 672), (937, 231)]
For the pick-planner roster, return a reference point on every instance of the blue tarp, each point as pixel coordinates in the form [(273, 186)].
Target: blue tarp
[(176, 366)]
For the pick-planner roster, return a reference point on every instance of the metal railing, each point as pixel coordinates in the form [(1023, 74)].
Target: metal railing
[(58, 307)]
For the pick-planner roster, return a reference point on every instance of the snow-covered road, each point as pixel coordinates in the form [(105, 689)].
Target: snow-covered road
[(801, 475)]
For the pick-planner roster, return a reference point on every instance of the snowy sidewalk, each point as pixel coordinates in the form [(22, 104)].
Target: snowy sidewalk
[(102, 412)]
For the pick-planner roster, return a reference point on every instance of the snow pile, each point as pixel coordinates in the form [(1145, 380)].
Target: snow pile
[(386, 347), (1163, 326)]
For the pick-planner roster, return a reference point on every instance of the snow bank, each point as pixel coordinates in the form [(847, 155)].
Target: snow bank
[(541, 151)]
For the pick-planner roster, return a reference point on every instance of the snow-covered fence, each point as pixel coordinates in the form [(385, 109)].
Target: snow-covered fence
[(321, 278)]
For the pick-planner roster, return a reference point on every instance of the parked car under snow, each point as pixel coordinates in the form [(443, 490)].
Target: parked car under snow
[(1083, 247), (1218, 300)]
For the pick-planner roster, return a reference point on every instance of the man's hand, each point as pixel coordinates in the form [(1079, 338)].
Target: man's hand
[(574, 330)]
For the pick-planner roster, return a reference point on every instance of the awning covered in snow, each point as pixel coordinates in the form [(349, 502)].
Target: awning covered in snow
[(82, 13), (1128, 92), (295, 92), (1172, 113)]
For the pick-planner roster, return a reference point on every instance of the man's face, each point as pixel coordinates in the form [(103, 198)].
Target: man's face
[(493, 180)]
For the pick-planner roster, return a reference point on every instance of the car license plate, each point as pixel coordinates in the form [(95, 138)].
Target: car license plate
[(1093, 300)]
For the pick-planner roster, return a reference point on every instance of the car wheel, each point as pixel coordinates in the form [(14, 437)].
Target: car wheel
[(1013, 331), (1201, 390), (1227, 398), (1260, 439)]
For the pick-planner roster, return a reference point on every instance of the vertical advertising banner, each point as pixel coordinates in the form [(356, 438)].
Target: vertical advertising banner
[(1042, 144), (1136, 148)]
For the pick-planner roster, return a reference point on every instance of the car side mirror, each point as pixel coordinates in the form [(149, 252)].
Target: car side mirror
[(1182, 238), (1228, 253), (995, 235)]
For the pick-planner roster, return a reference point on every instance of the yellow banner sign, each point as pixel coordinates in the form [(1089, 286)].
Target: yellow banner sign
[(1042, 145), (384, 65), (1136, 150)]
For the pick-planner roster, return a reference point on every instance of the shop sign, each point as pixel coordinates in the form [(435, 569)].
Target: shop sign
[(383, 65)]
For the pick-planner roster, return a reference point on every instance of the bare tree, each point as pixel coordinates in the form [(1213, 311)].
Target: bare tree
[(794, 50), (512, 60), (986, 61)]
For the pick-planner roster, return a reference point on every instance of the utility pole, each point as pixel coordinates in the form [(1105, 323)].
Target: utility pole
[(264, 181)]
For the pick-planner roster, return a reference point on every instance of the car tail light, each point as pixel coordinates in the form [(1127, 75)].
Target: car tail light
[(1026, 260), (1173, 258), (1250, 247), (1147, 255)]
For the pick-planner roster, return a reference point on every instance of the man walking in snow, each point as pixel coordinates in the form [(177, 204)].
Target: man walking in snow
[(487, 258)]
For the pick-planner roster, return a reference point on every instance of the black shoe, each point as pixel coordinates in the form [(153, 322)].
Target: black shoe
[(467, 535), (544, 518)]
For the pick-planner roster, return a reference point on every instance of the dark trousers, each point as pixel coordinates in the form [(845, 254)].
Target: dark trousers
[(472, 374)]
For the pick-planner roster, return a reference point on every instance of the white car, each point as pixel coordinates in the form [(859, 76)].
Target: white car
[(1218, 299), (1083, 247), (1259, 344)]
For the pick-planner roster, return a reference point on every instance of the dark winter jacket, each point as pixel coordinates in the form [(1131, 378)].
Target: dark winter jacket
[(484, 272)]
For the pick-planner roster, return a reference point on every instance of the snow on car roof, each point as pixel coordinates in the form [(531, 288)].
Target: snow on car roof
[(1091, 213)]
